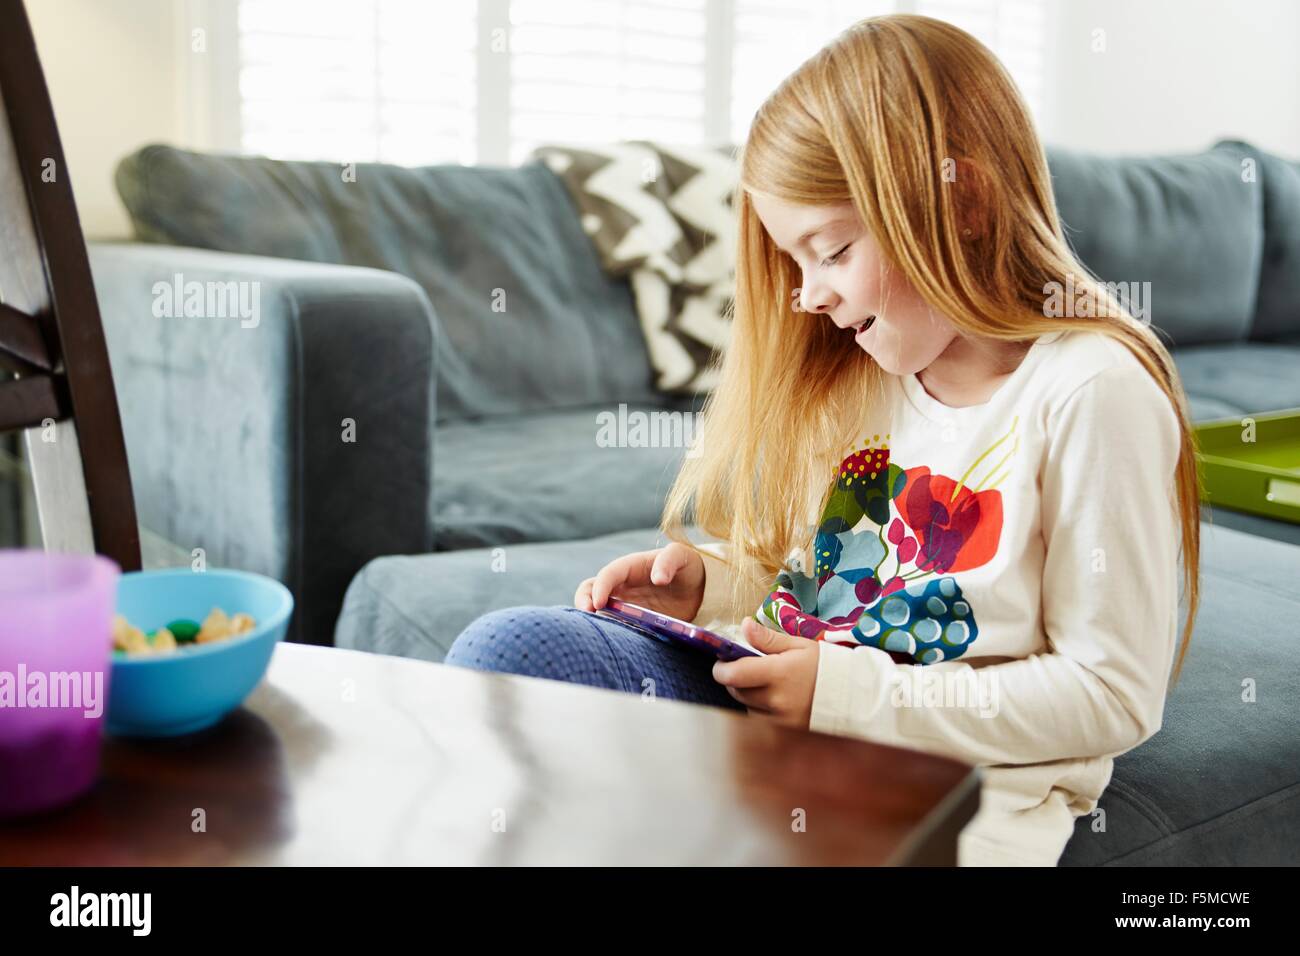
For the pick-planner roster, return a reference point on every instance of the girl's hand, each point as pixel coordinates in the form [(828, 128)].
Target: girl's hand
[(669, 580), (779, 685)]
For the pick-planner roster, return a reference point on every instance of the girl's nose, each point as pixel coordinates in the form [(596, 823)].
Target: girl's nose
[(815, 299)]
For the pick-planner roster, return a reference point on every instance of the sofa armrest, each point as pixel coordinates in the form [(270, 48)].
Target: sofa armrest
[(278, 414)]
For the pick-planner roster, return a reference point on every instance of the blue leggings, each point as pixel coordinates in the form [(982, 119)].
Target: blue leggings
[(569, 644)]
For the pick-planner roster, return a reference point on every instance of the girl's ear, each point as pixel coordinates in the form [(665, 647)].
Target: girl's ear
[(970, 197)]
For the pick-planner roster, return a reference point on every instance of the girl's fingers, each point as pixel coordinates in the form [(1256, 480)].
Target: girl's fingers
[(636, 570), (754, 701), (582, 596), (746, 673), (610, 577)]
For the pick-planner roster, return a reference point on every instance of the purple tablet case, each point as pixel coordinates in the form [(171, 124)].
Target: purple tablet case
[(678, 632)]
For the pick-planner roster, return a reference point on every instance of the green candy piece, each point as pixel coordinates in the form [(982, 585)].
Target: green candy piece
[(184, 630)]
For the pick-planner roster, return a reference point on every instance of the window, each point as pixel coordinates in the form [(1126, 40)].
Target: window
[(1015, 30), (606, 69), (772, 38), (484, 81), (358, 80)]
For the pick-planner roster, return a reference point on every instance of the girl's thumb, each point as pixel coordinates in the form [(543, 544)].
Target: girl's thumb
[(662, 571)]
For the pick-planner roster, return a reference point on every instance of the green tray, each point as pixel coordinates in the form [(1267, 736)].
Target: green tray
[(1261, 477)]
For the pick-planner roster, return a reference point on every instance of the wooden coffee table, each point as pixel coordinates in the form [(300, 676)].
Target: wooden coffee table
[(342, 757)]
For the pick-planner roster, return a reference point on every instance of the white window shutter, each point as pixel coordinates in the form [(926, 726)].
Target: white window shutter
[(485, 81), (772, 37), (358, 80), (1015, 30), (603, 70)]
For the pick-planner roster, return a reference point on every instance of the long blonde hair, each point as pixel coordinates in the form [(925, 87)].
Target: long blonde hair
[(874, 117)]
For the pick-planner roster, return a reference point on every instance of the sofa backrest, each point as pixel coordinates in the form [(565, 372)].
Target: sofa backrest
[(1277, 307), (1191, 226), (526, 318)]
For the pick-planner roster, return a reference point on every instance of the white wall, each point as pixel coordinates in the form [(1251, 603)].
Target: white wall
[(111, 67), (1175, 75)]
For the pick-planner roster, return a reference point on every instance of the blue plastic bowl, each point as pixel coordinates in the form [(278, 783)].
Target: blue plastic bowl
[(196, 685)]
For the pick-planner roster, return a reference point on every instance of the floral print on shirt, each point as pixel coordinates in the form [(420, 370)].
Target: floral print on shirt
[(888, 546)]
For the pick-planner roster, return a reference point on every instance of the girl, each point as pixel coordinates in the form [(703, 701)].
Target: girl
[(941, 491)]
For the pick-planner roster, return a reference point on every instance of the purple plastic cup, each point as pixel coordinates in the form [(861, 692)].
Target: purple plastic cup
[(56, 614)]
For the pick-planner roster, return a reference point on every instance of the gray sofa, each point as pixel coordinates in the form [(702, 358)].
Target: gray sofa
[(474, 427), (475, 480)]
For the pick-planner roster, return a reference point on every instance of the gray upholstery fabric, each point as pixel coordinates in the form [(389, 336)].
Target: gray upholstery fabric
[(526, 318), (235, 435), (1239, 378), (1248, 523), (414, 606), (1277, 309), (543, 477), (1219, 783), (1186, 224), (1206, 409)]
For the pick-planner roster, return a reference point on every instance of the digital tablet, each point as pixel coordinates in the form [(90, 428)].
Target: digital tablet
[(677, 632)]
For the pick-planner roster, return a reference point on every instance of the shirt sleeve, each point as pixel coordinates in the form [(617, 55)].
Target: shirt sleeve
[(1109, 607)]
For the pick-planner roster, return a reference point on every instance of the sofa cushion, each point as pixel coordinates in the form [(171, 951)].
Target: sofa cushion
[(1219, 783), (415, 606), (552, 476), (526, 317), (1277, 311), (1260, 525), (1205, 409), (1239, 378), (1188, 225)]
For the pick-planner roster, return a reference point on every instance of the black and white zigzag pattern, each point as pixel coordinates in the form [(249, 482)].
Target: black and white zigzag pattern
[(662, 215)]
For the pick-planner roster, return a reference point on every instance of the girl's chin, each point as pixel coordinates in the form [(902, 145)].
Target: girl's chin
[(886, 358), (867, 341), (885, 362)]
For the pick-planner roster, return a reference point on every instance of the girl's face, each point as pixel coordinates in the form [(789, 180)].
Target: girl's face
[(845, 276)]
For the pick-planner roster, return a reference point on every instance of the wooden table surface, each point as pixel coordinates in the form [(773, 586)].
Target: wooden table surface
[(342, 757)]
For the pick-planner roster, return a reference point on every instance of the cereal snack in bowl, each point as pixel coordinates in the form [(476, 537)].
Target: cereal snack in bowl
[(217, 626), (189, 646)]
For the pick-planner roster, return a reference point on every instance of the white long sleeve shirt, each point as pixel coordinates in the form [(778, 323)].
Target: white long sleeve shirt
[(999, 584)]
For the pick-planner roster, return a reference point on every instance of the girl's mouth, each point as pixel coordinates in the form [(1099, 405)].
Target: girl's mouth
[(858, 330)]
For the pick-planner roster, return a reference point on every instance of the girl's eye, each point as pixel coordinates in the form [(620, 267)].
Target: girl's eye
[(831, 260)]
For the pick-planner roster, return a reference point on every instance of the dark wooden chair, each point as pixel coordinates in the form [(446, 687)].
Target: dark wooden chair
[(59, 392)]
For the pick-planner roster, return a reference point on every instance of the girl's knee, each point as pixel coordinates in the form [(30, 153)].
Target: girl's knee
[(519, 640)]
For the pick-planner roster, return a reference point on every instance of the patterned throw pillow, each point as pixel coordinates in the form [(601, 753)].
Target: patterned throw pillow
[(662, 215)]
